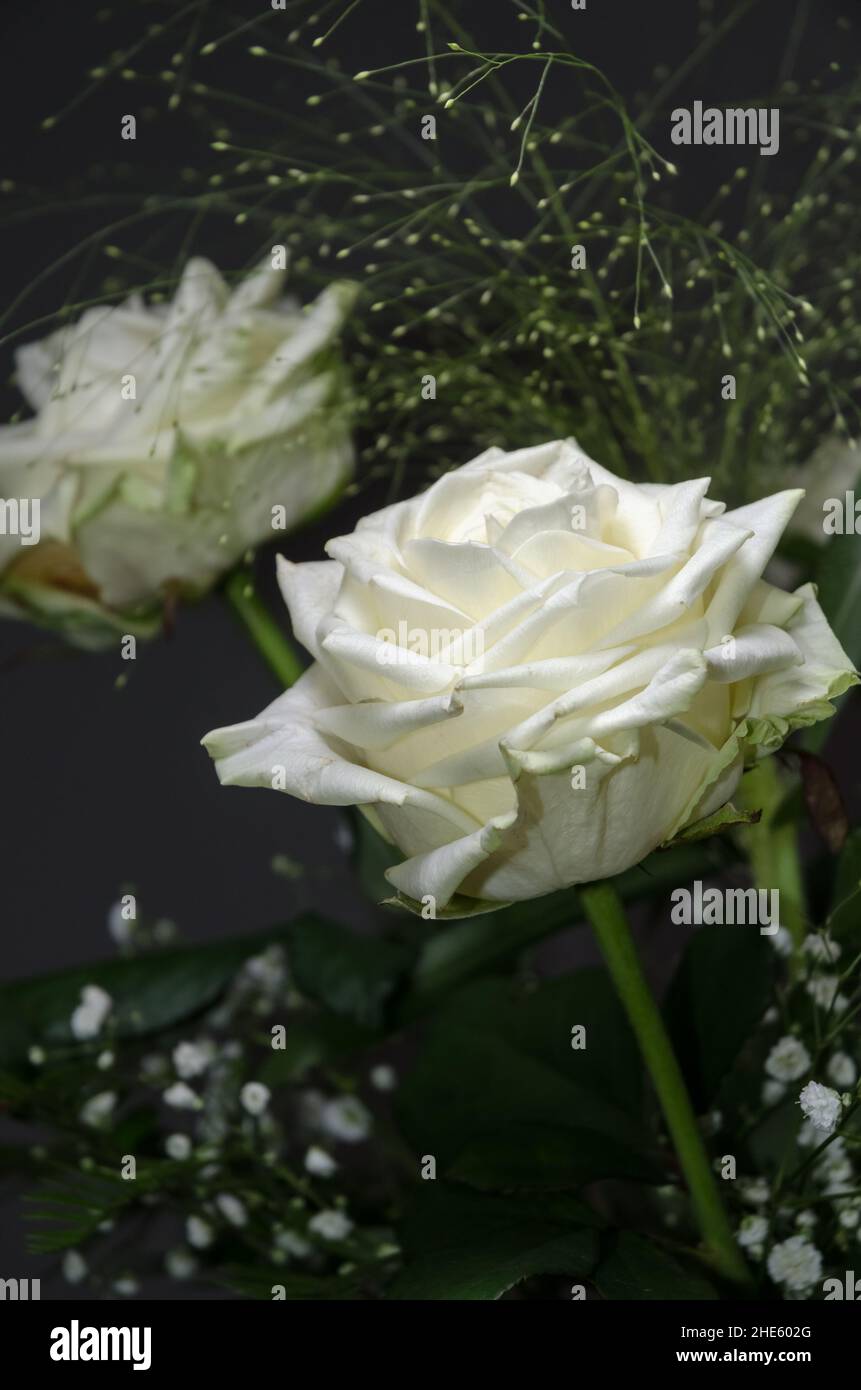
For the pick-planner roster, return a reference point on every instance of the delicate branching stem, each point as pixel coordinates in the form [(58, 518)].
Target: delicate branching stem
[(261, 627), (604, 910)]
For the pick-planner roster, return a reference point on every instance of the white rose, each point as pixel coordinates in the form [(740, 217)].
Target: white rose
[(535, 672), (164, 436)]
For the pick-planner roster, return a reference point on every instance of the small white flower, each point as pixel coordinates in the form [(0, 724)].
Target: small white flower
[(825, 993), (192, 1058), (318, 1162), (782, 942), (820, 948), (198, 1232), (291, 1244), (120, 928), (36, 1056), (98, 1109), (346, 1119), (383, 1078), (88, 1018), (795, 1263), (807, 1138), (787, 1060), (255, 1097), (772, 1092), (126, 1286), (833, 1166), (820, 1105), (849, 1218), (755, 1191), (231, 1209), (177, 1146), (806, 1220), (180, 1264), (331, 1225), (181, 1097), (752, 1231), (842, 1070), (74, 1267), (771, 1015), (268, 969)]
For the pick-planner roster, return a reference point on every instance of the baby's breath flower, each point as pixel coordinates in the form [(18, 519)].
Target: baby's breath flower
[(825, 993), (231, 1209), (292, 1244), (383, 1077), (782, 942), (772, 1092), (98, 1109), (198, 1232), (752, 1232), (75, 1268), (319, 1163), (821, 1105), (331, 1225), (795, 1263), (346, 1119), (181, 1097), (255, 1097), (180, 1264), (756, 1191), (88, 1018), (842, 1070), (177, 1146), (192, 1058), (787, 1060), (820, 948)]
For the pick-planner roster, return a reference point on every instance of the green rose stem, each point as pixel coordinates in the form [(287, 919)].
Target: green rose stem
[(261, 627), (604, 909), (772, 847)]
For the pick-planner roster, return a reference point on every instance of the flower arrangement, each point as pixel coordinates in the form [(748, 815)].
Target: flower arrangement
[(561, 647)]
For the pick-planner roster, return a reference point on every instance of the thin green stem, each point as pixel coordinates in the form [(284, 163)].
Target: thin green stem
[(607, 916), (773, 848), (261, 627)]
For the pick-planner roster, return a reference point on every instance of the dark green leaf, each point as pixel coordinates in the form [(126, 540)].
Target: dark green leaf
[(314, 1040), (838, 580), (352, 975), (150, 992), (635, 1268), (466, 1245), (494, 1063), (541, 1158), (716, 999)]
